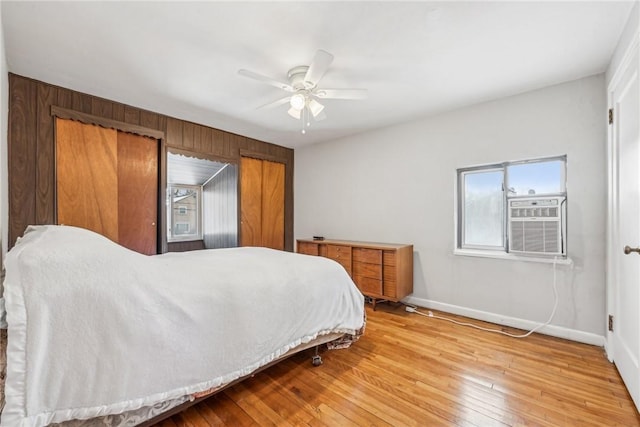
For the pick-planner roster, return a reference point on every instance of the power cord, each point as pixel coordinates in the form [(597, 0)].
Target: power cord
[(411, 309)]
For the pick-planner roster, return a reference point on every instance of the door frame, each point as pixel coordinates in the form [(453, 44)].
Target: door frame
[(612, 196)]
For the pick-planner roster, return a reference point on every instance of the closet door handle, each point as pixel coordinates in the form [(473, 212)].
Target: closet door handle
[(628, 250)]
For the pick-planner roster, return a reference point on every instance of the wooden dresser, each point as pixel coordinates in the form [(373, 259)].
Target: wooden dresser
[(382, 271)]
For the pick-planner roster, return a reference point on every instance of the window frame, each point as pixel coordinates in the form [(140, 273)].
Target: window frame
[(170, 207), (459, 200)]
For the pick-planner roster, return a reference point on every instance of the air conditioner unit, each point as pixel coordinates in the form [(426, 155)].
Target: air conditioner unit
[(536, 226)]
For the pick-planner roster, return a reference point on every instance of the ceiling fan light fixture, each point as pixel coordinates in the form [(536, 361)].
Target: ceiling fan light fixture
[(298, 101), (315, 107), (295, 113), (303, 90)]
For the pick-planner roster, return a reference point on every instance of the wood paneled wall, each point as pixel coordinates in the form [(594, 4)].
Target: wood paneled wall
[(31, 147)]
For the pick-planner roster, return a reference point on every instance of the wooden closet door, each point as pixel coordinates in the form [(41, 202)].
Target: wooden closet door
[(250, 202), (137, 192), (273, 205), (87, 177), (107, 182)]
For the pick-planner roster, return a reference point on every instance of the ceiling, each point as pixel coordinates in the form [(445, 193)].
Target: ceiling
[(191, 170), (415, 58)]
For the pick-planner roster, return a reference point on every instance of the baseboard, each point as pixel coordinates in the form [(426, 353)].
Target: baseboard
[(555, 331)]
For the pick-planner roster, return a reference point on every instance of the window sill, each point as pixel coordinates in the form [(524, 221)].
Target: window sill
[(190, 239), (512, 257)]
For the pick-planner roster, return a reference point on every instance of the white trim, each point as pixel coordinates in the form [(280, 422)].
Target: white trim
[(624, 62), (514, 322), (612, 188), (509, 256)]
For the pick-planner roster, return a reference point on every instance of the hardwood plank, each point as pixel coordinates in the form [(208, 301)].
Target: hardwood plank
[(45, 175), (167, 423), (81, 102), (218, 143), (256, 408), (65, 98), (313, 391), (414, 370), (174, 132), (228, 143), (162, 124), (206, 140), (149, 119), (197, 139), (188, 134), (228, 411), (22, 155), (118, 112), (101, 107), (287, 406), (131, 115)]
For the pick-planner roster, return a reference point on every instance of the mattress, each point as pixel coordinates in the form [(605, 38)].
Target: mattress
[(130, 418), (81, 308)]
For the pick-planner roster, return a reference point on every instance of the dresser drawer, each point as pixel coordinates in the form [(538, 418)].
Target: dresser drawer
[(390, 289), (308, 248), (346, 263), (389, 258), (364, 269), (368, 286), (389, 273), (372, 256), (339, 252)]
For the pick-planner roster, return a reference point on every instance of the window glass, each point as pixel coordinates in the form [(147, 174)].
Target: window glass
[(184, 214), (536, 178), (483, 216)]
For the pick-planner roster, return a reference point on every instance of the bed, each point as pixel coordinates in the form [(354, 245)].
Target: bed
[(98, 331)]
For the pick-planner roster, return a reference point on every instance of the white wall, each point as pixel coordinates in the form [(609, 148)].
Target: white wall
[(4, 118), (397, 185)]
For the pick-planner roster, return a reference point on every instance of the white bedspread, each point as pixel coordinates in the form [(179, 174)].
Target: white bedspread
[(96, 329)]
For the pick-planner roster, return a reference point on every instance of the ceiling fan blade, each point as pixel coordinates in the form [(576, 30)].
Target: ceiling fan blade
[(275, 103), (318, 67), (341, 93), (265, 79)]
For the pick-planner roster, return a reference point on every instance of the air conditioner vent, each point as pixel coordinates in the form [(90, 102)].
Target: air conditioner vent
[(536, 226)]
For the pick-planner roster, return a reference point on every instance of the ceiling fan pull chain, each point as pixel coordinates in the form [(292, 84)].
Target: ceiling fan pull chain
[(303, 120)]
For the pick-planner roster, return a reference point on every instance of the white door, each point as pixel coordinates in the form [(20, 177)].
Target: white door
[(623, 345)]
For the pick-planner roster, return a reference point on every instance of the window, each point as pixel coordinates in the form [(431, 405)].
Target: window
[(483, 209), (181, 228), (516, 207), (184, 217)]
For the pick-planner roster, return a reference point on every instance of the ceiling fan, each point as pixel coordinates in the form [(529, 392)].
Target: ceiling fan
[(303, 85)]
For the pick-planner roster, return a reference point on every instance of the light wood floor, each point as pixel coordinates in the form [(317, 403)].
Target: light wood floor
[(412, 370)]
